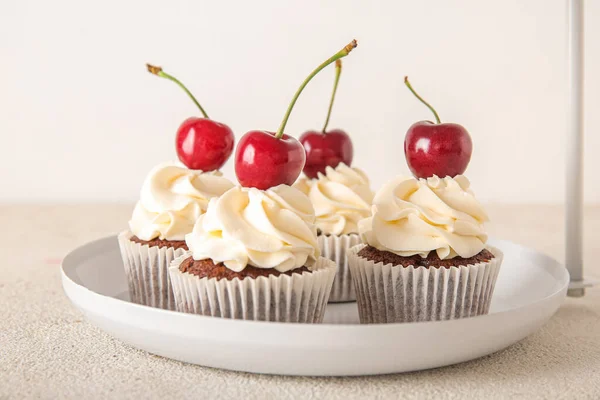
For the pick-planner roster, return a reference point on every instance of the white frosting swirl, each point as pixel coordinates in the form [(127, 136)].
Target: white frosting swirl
[(341, 197), (172, 199), (413, 216), (266, 229)]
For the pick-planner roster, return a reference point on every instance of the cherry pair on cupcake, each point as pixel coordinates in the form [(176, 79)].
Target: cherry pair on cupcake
[(261, 233)]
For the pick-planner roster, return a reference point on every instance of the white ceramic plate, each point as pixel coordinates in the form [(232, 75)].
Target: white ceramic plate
[(530, 288)]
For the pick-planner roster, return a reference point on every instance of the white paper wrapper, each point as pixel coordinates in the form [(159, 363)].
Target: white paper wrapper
[(147, 271), (334, 248), (285, 298), (387, 293)]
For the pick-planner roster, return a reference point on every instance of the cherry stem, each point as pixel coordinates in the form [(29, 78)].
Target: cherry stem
[(338, 71), (342, 53), (407, 83), (159, 72)]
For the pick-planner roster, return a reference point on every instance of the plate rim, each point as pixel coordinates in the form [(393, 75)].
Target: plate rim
[(69, 284)]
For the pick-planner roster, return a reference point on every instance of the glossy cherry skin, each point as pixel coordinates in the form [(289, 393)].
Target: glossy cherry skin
[(326, 149), (437, 149), (263, 161), (204, 144)]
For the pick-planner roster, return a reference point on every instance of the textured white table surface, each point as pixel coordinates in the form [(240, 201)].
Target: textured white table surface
[(47, 349)]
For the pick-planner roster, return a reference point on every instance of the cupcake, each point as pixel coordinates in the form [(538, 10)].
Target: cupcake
[(254, 255), (424, 255), (172, 199), (341, 197)]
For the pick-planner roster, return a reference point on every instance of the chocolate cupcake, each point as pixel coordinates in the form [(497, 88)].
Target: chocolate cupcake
[(425, 256), (254, 256), (172, 199), (341, 197)]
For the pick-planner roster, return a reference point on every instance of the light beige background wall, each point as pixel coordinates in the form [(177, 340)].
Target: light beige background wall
[(81, 120)]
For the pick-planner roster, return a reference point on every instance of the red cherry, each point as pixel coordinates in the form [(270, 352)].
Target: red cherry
[(201, 143), (263, 161), (204, 144), (436, 148), (326, 149)]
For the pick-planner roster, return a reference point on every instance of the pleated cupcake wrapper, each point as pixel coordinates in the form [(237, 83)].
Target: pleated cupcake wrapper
[(147, 271), (387, 293), (285, 298), (335, 248)]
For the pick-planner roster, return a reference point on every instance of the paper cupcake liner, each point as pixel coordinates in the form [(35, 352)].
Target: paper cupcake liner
[(147, 271), (387, 293), (285, 298), (335, 248)]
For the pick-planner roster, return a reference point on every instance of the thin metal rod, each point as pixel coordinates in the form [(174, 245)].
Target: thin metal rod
[(574, 179)]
